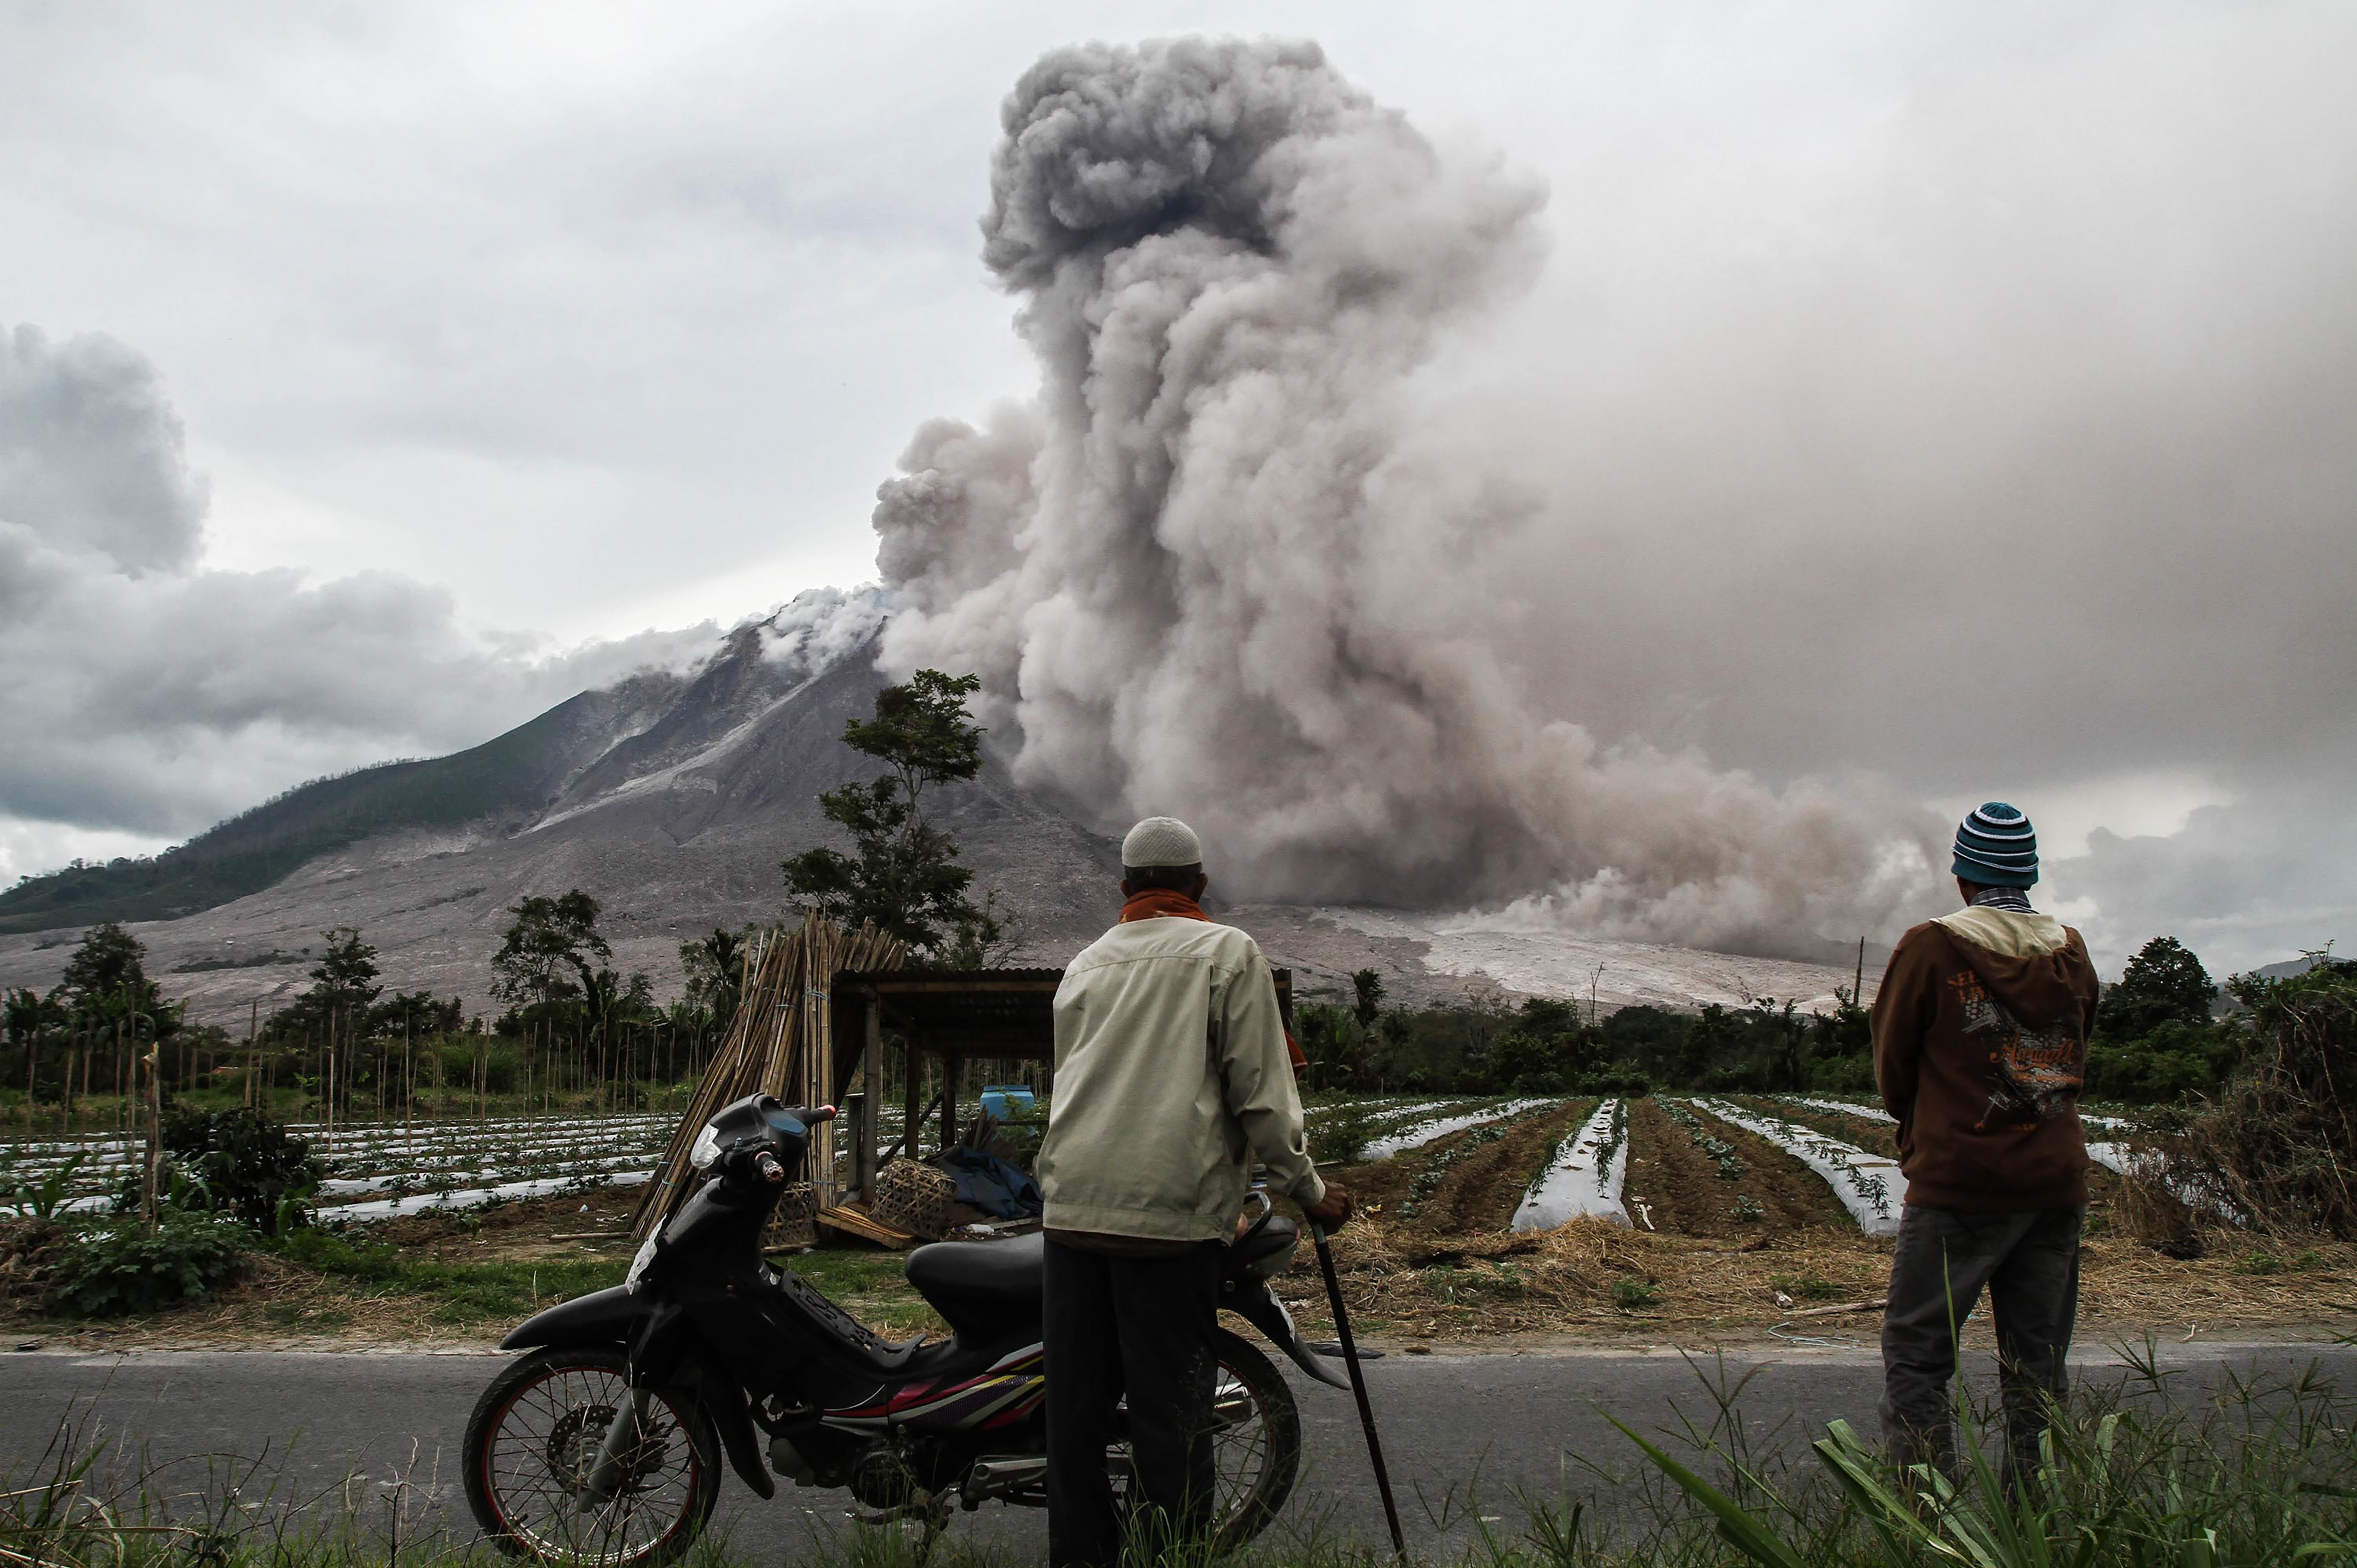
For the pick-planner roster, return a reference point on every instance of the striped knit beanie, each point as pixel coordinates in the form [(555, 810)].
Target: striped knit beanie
[(1997, 847)]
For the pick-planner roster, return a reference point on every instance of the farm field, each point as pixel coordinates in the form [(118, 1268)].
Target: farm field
[(379, 1171), (1668, 1217)]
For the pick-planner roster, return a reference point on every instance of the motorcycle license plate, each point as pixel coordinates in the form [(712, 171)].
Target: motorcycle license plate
[(645, 1255)]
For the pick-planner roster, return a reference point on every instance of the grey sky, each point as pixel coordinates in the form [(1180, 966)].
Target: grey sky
[(1957, 395)]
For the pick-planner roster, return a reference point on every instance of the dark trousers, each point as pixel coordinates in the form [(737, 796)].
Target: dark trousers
[(2028, 1263), (1140, 1328)]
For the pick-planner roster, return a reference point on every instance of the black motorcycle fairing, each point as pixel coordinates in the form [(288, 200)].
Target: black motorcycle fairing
[(1251, 1299), (723, 1399), (602, 1317), (661, 1340)]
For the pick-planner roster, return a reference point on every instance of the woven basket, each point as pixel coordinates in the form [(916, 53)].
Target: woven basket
[(794, 1222), (913, 1197)]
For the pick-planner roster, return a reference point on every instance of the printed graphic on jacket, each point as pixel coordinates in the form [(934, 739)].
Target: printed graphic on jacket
[(2034, 1074)]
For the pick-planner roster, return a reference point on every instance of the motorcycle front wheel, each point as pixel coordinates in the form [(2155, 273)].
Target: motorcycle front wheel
[(1255, 1444), (535, 1437)]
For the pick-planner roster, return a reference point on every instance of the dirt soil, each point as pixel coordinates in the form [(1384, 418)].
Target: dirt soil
[(1672, 1186), (1481, 1191), (1560, 1287), (1451, 1277), (1858, 1131)]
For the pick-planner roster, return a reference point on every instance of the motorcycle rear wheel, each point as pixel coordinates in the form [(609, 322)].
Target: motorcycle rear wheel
[(1255, 1443), (532, 1438)]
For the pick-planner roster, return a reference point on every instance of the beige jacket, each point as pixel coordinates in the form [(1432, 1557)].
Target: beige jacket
[(1171, 1076)]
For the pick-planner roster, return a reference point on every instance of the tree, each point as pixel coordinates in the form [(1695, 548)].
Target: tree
[(714, 968), (2165, 983), (545, 958), (902, 872), (109, 960), (344, 983), (1367, 997), (25, 1015)]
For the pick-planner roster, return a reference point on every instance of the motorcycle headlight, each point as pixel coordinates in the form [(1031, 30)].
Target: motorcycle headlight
[(705, 1150)]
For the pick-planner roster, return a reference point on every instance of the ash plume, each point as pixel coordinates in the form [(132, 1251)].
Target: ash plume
[(1211, 569)]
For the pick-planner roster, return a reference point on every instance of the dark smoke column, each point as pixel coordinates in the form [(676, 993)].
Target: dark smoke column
[(1203, 572)]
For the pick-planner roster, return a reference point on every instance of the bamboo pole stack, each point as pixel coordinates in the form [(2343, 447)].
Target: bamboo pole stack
[(779, 1042)]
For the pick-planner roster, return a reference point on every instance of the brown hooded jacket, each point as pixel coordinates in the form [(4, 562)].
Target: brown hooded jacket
[(1980, 1046)]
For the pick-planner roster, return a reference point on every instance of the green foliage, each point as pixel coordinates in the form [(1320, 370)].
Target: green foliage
[(1366, 996), (545, 957), (903, 872), (243, 1164), (1344, 1133), (1631, 1293), (42, 1200), (2173, 1062), (2272, 1144), (2260, 1477), (121, 1270), (714, 968), (109, 959), (2165, 983), (1746, 1210), (464, 1293)]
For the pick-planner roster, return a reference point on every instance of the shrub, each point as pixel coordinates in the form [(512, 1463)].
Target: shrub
[(122, 1268), (2272, 1146), (1344, 1133), (243, 1164)]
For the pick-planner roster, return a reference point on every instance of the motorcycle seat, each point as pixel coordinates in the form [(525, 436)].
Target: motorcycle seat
[(1275, 1234), (1007, 1273)]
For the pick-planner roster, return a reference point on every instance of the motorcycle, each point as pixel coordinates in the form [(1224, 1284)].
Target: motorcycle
[(603, 1443)]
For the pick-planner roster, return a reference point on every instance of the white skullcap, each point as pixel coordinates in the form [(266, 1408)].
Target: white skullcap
[(1161, 841)]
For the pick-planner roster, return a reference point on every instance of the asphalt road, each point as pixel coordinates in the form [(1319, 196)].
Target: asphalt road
[(372, 1438)]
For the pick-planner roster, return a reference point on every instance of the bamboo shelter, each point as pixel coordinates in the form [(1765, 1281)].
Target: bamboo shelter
[(780, 1042)]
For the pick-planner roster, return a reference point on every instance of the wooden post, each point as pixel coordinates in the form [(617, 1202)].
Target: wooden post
[(953, 1066), (912, 1102), (871, 1083), (155, 1060), (1858, 986), (253, 1052)]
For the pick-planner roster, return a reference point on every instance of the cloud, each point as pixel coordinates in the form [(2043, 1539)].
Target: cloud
[(2243, 884), (90, 453), (1209, 573), (148, 695)]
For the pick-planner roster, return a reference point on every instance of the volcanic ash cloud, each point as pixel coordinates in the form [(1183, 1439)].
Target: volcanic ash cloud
[(1206, 571)]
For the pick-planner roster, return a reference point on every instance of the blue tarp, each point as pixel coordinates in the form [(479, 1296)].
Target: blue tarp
[(993, 1185)]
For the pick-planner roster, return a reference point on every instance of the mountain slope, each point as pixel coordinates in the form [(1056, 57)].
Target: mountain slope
[(511, 778)]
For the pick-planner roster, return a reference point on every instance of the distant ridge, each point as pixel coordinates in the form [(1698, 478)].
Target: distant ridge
[(505, 781)]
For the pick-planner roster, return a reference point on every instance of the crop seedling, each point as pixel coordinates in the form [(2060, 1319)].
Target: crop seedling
[(1746, 1210), (1631, 1293)]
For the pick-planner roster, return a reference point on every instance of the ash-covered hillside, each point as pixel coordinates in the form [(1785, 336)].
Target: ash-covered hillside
[(672, 798)]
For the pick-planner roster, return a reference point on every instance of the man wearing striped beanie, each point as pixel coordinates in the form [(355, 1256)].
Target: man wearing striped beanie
[(1980, 1045)]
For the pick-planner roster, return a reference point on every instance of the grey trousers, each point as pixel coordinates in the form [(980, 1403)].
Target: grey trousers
[(2028, 1263)]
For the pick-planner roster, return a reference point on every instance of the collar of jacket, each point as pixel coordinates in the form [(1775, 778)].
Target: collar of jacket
[(2009, 932), (1159, 903)]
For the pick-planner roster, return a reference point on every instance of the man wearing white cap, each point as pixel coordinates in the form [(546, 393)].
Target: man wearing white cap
[(1173, 1073)]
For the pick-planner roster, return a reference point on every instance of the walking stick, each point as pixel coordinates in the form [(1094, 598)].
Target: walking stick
[(1357, 1385)]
